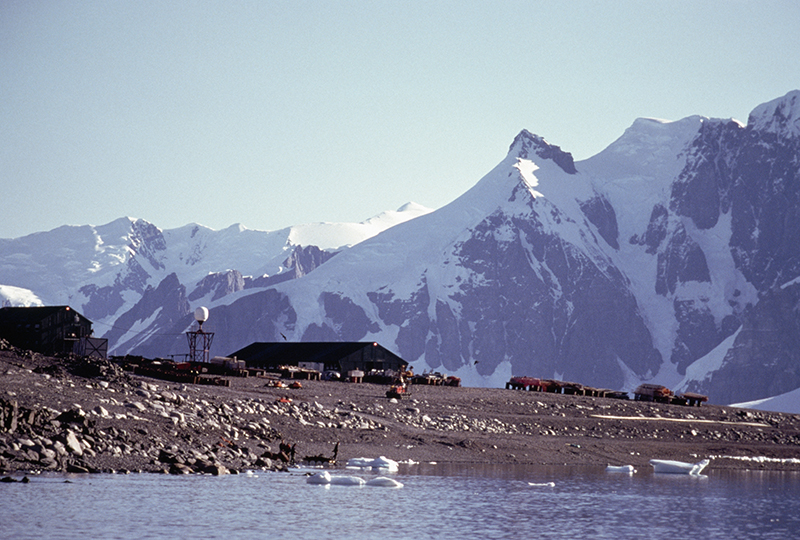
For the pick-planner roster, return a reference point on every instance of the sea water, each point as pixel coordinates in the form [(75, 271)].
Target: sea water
[(436, 501)]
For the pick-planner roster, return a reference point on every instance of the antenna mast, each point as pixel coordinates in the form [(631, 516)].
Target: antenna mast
[(199, 340)]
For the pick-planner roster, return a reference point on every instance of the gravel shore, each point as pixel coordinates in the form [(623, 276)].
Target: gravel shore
[(78, 415)]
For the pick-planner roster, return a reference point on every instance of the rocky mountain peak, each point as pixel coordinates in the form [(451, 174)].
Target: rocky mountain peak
[(526, 145), (781, 116), (147, 240)]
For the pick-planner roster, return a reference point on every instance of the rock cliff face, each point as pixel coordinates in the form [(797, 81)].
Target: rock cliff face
[(670, 257), (763, 360), (218, 285), (734, 229), (160, 307)]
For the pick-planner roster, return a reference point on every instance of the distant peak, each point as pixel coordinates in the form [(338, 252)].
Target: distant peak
[(780, 115), (408, 211), (526, 145), (411, 206), (236, 228)]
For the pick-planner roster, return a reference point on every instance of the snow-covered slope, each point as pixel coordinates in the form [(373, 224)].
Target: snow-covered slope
[(785, 403), (16, 296), (672, 257)]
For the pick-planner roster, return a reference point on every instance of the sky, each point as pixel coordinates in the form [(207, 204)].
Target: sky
[(271, 114)]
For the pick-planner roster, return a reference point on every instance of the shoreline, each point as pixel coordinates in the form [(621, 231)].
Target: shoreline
[(79, 415)]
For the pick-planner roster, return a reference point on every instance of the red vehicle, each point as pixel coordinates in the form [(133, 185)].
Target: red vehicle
[(397, 391)]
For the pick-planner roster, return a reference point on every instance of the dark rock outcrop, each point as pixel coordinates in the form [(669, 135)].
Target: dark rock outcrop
[(218, 285), (528, 146)]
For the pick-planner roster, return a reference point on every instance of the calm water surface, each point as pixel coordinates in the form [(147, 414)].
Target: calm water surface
[(435, 502)]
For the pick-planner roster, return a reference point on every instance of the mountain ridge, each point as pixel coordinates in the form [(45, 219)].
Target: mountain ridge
[(640, 263)]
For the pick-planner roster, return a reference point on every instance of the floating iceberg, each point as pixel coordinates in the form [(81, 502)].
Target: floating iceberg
[(678, 467), (383, 481), (627, 469), (370, 463), (325, 478), (347, 480)]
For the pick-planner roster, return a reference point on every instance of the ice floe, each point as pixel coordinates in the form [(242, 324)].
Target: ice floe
[(627, 469), (347, 481), (320, 478), (384, 481), (678, 467), (381, 463), (324, 478)]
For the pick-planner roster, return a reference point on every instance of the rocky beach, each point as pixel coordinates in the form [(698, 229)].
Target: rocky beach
[(82, 415)]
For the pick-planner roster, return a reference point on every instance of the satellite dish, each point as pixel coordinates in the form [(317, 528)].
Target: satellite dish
[(201, 314)]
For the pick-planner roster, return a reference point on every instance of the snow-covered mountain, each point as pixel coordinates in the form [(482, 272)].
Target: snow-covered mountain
[(673, 256), (105, 271)]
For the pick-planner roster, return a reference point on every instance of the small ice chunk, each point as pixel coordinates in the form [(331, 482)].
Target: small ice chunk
[(319, 478), (370, 463), (347, 480), (678, 467), (627, 469), (384, 481)]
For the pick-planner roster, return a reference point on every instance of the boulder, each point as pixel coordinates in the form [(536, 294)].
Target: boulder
[(138, 405), (212, 468), (75, 468), (44, 452), (180, 468), (73, 444), (167, 456), (72, 416), (101, 411)]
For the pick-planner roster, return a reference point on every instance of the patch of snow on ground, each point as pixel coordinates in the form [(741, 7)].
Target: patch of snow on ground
[(758, 459)]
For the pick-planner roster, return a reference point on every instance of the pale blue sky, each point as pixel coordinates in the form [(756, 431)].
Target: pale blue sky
[(272, 114)]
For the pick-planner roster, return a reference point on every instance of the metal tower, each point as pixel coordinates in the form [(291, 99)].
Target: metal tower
[(200, 340)]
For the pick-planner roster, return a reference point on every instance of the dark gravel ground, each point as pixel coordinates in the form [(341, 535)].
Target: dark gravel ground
[(67, 414)]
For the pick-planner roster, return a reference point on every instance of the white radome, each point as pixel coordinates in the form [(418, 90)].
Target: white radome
[(201, 314)]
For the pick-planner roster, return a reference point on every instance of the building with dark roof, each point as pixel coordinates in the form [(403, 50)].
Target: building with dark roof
[(50, 330), (331, 356)]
